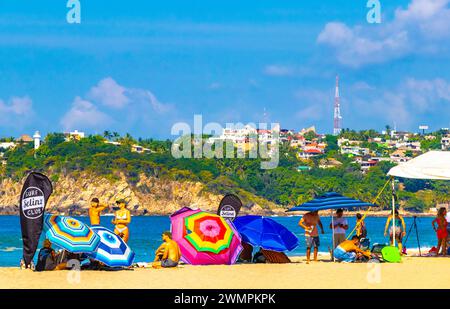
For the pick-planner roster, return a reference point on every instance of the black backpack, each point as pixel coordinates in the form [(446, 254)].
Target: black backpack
[(43, 255)]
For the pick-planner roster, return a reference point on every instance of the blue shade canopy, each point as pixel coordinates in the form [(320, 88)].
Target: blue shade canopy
[(265, 233), (331, 200)]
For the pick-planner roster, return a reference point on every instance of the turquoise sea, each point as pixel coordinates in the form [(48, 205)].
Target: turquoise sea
[(146, 231)]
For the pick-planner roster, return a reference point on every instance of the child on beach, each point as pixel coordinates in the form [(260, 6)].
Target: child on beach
[(361, 230), (441, 230), (400, 229)]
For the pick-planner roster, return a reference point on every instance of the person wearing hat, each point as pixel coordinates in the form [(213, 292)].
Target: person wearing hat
[(122, 218), (48, 258), (95, 210)]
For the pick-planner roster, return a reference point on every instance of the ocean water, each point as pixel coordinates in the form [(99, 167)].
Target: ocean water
[(145, 235)]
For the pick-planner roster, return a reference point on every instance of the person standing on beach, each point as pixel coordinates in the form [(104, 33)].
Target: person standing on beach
[(400, 229), (95, 210), (447, 217), (122, 218), (339, 227), (441, 230), (309, 222), (361, 230)]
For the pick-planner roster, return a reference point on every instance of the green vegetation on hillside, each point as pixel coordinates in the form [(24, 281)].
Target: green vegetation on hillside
[(283, 185)]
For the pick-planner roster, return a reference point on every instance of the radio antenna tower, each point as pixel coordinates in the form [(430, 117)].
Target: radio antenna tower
[(337, 111)]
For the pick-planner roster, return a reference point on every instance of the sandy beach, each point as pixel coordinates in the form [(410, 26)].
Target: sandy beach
[(413, 272)]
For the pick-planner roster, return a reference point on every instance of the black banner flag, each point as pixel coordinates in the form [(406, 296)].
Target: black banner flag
[(33, 199), (229, 207)]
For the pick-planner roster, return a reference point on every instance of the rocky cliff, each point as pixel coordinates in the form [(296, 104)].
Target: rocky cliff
[(150, 196)]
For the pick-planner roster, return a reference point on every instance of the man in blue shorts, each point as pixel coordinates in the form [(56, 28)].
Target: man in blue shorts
[(309, 222)]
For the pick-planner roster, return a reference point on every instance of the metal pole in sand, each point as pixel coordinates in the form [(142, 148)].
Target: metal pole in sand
[(332, 233), (393, 211)]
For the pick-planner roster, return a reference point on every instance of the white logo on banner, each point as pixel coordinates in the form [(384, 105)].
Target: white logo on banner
[(33, 202), (227, 212)]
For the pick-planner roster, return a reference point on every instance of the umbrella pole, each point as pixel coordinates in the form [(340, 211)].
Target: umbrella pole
[(393, 211), (332, 233)]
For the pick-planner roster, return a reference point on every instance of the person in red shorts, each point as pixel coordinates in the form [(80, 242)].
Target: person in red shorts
[(441, 230)]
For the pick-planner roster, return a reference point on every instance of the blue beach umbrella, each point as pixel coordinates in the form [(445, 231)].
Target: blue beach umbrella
[(112, 250), (331, 200), (70, 234), (265, 233)]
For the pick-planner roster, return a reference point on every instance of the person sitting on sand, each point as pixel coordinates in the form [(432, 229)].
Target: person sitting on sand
[(361, 230), (400, 229), (48, 258), (348, 250), (168, 254), (95, 210), (309, 222), (122, 218), (441, 230)]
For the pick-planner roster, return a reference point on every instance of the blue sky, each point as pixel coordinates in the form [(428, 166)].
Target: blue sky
[(141, 66)]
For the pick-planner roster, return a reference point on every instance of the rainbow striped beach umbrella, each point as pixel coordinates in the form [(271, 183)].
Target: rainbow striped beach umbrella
[(112, 250), (70, 234), (205, 238)]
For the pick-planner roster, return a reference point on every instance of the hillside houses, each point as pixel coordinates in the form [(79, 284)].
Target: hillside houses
[(6, 145), (445, 142)]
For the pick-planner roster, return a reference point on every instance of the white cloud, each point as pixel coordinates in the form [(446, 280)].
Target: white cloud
[(361, 85), (84, 114), (144, 99), (420, 28), (16, 112), (106, 105), (428, 94), (109, 93), (315, 104), (278, 70), (408, 103), (17, 106)]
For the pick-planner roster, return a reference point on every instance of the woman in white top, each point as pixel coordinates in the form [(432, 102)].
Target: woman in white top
[(339, 227)]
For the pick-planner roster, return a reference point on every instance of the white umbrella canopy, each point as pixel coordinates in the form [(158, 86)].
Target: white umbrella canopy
[(431, 165)]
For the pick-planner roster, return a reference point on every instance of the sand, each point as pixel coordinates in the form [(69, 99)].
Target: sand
[(413, 272)]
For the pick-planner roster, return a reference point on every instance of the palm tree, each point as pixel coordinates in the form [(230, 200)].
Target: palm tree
[(115, 136), (107, 134), (388, 129), (127, 140)]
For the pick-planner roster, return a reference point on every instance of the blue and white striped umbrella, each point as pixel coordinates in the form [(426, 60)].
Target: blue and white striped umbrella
[(331, 200), (112, 250)]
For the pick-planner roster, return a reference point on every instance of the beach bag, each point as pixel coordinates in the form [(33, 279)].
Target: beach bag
[(376, 248), (43, 259), (364, 244), (391, 254)]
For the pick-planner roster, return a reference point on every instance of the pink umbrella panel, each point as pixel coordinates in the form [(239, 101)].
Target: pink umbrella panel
[(191, 254)]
